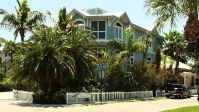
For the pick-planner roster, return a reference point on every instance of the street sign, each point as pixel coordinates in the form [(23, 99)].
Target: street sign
[(101, 66)]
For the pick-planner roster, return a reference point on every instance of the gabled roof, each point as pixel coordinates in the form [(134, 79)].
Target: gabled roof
[(181, 65), (118, 15)]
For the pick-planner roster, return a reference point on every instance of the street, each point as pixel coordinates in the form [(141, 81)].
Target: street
[(10, 105)]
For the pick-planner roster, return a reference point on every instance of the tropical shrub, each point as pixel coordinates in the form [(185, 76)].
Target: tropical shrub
[(6, 85), (143, 76)]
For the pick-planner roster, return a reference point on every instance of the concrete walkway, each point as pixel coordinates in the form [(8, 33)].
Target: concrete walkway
[(7, 104), (6, 95)]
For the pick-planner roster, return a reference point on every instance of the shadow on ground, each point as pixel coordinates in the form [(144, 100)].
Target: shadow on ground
[(29, 104)]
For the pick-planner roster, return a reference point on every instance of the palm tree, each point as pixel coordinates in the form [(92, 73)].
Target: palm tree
[(158, 59), (43, 61), (174, 44), (80, 41), (24, 20), (63, 19), (10, 48), (169, 11), (129, 47)]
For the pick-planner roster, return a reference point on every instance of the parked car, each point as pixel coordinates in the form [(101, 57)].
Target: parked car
[(177, 90)]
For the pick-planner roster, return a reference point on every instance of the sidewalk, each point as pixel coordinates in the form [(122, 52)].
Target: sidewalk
[(6, 95)]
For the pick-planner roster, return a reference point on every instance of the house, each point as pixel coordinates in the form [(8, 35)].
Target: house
[(109, 26), (189, 77), (4, 57)]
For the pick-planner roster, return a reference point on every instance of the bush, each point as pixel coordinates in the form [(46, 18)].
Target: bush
[(6, 85), (57, 97)]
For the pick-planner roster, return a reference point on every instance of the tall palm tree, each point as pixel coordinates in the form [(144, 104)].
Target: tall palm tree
[(169, 11), (63, 19), (80, 41), (158, 59), (24, 20), (174, 43), (130, 45)]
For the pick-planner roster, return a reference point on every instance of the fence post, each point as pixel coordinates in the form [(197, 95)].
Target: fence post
[(66, 97)]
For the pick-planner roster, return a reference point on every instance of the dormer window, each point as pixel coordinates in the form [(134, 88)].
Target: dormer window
[(118, 31), (99, 29)]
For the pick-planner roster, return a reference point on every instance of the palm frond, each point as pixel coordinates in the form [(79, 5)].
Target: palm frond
[(3, 12)]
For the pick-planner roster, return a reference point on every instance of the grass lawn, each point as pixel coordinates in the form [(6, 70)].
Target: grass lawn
[(184, 109), (122, 101)]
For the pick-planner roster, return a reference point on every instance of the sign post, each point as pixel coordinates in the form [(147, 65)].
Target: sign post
[(101, 68)]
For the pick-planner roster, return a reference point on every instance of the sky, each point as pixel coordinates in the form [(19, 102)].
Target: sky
[(134, 9)]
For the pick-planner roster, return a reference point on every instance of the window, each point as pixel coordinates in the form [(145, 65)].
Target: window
[(99, 29), (118, 31), (80, 23), (149, 60), (97, 51), (131, 60)]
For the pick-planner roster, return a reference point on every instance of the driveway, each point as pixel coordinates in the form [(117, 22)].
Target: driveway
[(10, 105)]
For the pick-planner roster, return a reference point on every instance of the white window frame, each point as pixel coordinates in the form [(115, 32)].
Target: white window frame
[(98, 28), (82, 21), (119, 28)]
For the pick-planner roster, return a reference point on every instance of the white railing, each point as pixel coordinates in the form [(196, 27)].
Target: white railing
[(193, 91), (72, 98), (23, 95), (160, 93)]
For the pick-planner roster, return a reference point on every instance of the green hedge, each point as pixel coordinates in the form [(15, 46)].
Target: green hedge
[(57, 97), (6, 85)]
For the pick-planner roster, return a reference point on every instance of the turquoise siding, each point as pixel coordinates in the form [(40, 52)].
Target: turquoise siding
[(78, 16), (111, 30), (110, 33), (138, 57), (138, 34), (155, 44)]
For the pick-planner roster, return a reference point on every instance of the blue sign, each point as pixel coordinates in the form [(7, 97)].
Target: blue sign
[(101, 66)]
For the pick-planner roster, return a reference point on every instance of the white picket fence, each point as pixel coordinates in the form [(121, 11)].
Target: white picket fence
[(73, 98), (23, 95), (193, 91)]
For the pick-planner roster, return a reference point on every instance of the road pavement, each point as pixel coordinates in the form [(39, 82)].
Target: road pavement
[(7, 104)]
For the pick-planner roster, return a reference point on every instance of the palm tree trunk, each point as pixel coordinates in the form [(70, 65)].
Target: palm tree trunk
[(129, 63), (158, 59), (177, 63), (11, 58), (22, 36)]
